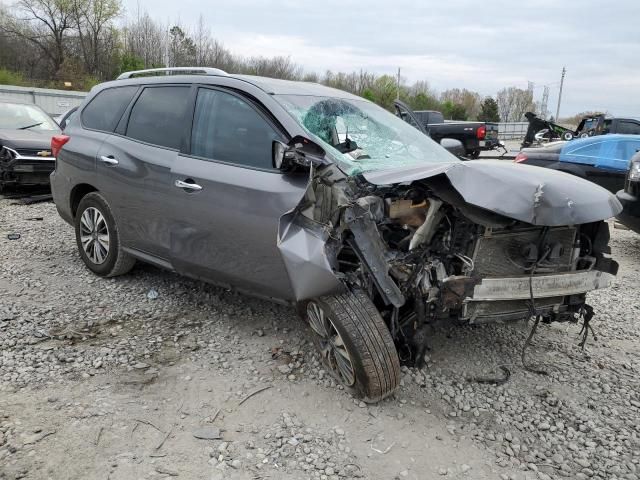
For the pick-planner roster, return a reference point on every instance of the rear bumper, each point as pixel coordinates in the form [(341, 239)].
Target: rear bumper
[(60, 190), (630, 214)]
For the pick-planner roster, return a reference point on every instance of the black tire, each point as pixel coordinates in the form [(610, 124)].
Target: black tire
[(367, 340), (116, 261), (473, 154), (567, 136)]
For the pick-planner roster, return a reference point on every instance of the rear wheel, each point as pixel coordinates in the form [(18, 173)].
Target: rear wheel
[(98, 239), (355, 344)]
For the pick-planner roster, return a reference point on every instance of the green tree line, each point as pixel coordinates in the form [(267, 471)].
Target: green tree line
[(78, 43)]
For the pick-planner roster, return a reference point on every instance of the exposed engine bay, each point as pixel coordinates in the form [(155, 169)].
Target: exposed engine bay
[(424, 255)]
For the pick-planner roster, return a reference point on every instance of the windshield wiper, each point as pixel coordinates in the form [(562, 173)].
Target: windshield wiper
[(31, 126)]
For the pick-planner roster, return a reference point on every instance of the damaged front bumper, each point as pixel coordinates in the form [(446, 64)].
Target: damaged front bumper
[(542, 286), (21, 168), (510, 298)]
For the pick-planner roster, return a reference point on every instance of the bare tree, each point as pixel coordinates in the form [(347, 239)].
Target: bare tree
[(145, 39), (202, 42), (92, 21), (513, 103), (44, 23), (182, 50)]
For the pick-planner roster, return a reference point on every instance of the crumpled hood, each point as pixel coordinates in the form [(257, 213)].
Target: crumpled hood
[(535, 195), (27, 138)]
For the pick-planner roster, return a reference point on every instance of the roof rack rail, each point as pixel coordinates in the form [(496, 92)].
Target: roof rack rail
[(173, 71)]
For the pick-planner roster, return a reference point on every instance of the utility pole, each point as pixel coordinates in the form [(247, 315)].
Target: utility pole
[(530, 86), (564, 71), (398, 86)]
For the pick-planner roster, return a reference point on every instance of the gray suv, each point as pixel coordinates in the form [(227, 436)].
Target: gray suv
[(314, 197)]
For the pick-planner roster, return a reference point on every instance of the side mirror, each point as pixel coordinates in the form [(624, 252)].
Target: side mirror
[(278, 151), (299, 152), (453, 146)]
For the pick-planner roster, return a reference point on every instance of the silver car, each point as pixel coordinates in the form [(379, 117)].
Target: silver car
[(314, 197)]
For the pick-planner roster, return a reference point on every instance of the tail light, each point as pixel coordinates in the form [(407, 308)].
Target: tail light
[(481, 132), (57, 142), (520, 157)]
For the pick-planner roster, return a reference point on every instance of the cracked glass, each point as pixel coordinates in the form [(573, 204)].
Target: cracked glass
[(361, 136)]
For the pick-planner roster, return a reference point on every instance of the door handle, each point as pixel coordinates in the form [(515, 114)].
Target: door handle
[(109, 160), (187, 185)]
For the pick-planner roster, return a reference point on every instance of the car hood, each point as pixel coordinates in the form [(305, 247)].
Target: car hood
[(26, 138), (535, 195)]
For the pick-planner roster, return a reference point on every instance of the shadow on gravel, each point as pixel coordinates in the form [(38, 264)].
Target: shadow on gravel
[(27, 195)]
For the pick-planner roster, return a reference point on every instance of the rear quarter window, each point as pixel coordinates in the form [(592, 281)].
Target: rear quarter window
[(158, 116), (105, 109)]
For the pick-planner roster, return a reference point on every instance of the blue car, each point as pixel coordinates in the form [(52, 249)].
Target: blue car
[(602, 159)]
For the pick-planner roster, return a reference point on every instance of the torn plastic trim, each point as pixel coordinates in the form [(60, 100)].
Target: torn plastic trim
[(371, 249), (570, 283)]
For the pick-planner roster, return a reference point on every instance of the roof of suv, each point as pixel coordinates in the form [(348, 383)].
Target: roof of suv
[(272, 86), (276, 86)]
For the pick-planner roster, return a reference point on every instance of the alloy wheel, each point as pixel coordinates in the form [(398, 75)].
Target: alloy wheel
[(332, 348), (94, 235)]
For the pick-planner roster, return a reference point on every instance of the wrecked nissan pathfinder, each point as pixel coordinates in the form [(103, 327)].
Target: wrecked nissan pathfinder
[(311, 196)]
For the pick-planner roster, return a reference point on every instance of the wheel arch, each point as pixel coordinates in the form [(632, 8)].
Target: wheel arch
[(77, 194)]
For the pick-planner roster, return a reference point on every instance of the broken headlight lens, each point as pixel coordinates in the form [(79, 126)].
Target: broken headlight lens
[(634, 172), (7, 154)]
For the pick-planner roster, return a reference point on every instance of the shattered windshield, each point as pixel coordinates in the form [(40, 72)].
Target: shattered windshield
[(362, 136)]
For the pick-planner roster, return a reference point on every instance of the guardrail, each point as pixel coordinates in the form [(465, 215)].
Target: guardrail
[(54, 102)]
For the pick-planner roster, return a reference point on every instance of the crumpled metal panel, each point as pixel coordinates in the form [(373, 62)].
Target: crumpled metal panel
[(535, 195), (302, 245)]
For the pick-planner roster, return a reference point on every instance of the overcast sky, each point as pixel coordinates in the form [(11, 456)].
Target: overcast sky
[(474, 44)]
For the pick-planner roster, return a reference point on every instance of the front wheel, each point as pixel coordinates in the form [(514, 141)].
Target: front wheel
[(355, 344)]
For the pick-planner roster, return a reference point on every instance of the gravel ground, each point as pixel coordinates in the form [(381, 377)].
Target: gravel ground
[(152, 375)]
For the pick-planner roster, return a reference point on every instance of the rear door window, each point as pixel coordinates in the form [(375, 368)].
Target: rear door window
[(229, 129), (629, 127), (158, 116), (106, 108)]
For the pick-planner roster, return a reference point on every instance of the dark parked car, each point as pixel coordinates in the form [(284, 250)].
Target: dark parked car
[(603, 160), (630, 196), (314, 197), (25, 144), (474, 136)]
